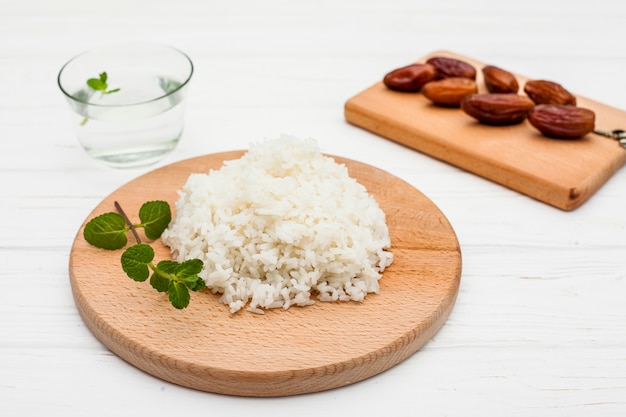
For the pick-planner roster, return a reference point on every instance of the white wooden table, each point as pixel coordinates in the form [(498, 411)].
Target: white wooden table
[(539, 327)]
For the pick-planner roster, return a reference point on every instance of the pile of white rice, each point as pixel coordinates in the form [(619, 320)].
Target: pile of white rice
[(280, 226)]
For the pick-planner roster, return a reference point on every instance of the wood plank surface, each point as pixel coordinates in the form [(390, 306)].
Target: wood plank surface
[(296, 351), (562, 173)]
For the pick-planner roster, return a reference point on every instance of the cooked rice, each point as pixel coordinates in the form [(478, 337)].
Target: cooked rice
[(280, 226)]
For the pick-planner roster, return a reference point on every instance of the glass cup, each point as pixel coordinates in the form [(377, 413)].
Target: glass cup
[(131, 111)]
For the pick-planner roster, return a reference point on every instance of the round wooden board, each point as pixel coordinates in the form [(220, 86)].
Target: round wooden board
[(283, 352)]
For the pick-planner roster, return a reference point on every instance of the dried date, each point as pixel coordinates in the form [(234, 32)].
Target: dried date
[(411, 78), (548, 92), (499, 81), (562, 121), (452, 68), (449, 92), (497, 109)]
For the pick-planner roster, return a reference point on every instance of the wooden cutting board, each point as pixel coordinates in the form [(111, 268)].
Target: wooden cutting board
[(282, 352), (562, 173)]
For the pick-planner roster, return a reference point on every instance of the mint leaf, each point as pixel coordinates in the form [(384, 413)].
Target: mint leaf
[(178, 294), (195, 283), (106, 231), (135, 261), (168, 267), (96, 84), (185, 272), (159, 282), (100, 84), (155, 216), (189, 268)]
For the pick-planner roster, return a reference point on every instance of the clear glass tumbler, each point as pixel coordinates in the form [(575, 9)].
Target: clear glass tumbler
[(127, 101)]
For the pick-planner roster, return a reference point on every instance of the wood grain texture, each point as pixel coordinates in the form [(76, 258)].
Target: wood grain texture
[(296, 351), (562, 173)]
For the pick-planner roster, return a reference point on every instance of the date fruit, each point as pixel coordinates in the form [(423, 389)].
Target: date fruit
[(499, 81), (562, 121), (411, 78), (498, 109), (449, 92), (548, 92), (452, 67)]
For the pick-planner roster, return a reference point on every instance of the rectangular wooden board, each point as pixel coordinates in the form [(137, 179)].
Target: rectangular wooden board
[(562, 173)]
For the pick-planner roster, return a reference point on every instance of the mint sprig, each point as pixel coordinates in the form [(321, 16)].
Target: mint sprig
[(99, 84), (109, 231)]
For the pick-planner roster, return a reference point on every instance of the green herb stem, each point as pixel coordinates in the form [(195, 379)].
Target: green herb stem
[(161, 273)]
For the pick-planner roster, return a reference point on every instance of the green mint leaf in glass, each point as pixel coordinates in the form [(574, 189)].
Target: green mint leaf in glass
[(178, 294), (106, 231), (97, 84), (100, 84), (155, 216), (135, 261), (159, 282)]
